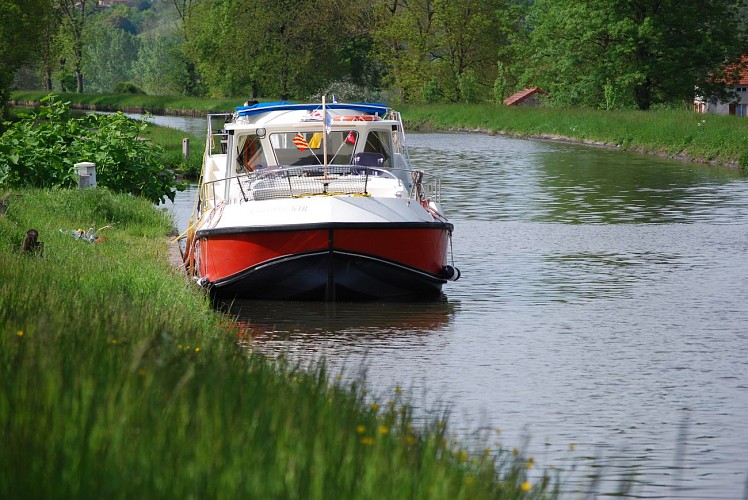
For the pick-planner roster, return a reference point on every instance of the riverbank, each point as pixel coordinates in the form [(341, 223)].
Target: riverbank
[(120, 380), (678, 134)]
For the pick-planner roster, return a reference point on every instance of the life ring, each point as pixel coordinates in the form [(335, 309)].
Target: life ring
[(356, 118)]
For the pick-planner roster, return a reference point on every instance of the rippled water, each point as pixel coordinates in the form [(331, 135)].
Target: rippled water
[(601, 320)]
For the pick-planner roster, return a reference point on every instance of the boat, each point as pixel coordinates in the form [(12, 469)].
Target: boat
[(316, 201)]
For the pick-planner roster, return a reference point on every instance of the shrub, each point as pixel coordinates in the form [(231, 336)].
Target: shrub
[(41, 149), (127, 88)]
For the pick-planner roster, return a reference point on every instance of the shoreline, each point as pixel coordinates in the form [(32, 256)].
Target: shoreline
[(426, 127)]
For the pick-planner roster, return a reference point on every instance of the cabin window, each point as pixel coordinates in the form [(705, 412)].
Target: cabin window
[(741, 110), (305, 148), (250, 155), (378, 141)]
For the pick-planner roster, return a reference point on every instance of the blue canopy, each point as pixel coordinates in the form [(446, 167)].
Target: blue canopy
[(265, 107)]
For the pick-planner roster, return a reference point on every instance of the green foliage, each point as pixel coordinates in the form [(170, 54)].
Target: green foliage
[(273, 48), (468, 82), (109, 56), (644, 52), (161, 66), (20, 28), (452, 43), (128, 88), (42, 148), (125, 367)]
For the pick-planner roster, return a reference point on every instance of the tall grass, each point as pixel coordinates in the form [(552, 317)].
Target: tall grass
[(117, 380)]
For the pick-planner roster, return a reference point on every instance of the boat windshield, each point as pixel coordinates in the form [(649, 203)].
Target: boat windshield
[(250, 155), (305, 148)]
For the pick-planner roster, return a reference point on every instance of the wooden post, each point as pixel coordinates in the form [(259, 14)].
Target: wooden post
[(185, 147)]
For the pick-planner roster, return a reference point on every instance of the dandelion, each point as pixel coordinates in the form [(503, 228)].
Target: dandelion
[(383, 429), (197, 349), (360, 429), (19, 333), (368, 441), (530, 463), (462, 456), (375, 407), (526, 486), (398, 390), (410, 439), (515, 451), (114, 341)]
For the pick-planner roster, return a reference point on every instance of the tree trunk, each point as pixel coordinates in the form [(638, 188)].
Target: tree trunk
[(643, 95), (78, 81)]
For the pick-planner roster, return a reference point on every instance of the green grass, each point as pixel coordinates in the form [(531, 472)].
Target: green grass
[(171, 140), (118, 380), (137, 102)]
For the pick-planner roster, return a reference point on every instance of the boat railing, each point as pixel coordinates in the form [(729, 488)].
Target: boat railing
[(333, 180)]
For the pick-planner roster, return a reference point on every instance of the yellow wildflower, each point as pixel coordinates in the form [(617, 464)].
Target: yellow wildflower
[(410, 439), (197, 349), (368, 441), (530, 462), (526, 486), (572, 447), (375, 407), (383, 429), (360, 429), (398, 390), (19, 333)]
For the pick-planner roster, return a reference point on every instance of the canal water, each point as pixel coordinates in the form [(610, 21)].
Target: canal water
[(600, 324)]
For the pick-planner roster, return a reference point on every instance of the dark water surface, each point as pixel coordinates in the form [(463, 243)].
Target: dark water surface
[(601, 321)]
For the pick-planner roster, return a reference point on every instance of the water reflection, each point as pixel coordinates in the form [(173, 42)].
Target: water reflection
[(267, 321), (495, 178)]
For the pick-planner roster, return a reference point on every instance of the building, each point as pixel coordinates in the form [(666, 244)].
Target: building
[(739, 85), (526, 97)]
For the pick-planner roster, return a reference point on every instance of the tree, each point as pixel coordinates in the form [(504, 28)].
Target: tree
[(272, 47), (645, 51), (74, 15), (160, 68), (20, 28), (108, 57), (435, 49)]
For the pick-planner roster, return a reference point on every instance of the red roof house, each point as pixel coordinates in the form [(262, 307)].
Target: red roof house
[(736, 79), (526, 97)]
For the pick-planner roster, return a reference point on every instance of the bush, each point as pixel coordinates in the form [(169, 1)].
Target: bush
[(41, 149), (128, 88)]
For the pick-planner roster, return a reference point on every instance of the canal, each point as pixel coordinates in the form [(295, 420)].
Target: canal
[(601, 321)]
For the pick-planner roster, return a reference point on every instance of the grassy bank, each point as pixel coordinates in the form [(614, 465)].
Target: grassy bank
[(682, 134), (117, 380), (135, 103), (171, 140)]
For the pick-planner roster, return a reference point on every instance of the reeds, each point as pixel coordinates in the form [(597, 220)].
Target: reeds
[(118, 380)]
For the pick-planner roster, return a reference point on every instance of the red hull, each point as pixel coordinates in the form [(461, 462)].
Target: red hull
[(227, 258)]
